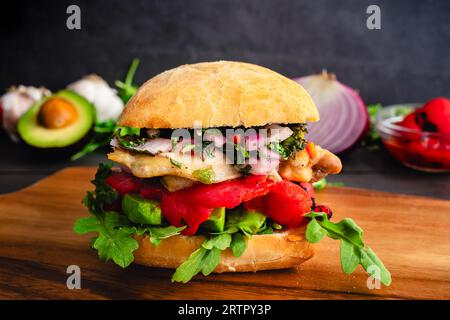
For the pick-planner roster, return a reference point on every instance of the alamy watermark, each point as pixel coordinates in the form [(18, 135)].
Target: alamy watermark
[(74, 280), (73, 21), (373, 21)]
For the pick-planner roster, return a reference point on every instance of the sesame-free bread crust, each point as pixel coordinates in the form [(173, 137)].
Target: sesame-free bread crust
[(215, 94), (279, 250)]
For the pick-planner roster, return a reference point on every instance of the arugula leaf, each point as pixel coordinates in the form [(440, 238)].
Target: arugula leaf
[(205, 259), (372, 140), (112, 242), (350, 257), (323, 183), (368, 260), (320, 185), (127, 89), (221, 241), (156, 234), (125, 131), (353, 249), (103, 194), (238, 244), (103, 132), (315, 232), (210, 261), (129, 137), (190, 267)]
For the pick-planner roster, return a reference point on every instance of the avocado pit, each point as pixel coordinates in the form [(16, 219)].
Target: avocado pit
[(57, 113)]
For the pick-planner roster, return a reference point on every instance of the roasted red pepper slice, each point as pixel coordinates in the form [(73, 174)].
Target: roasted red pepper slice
[(285, 202), (124, 183)]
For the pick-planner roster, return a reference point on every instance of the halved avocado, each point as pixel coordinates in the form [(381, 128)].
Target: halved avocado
[(57, 121)]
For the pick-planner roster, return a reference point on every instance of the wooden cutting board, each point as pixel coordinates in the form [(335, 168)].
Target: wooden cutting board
[(410, 234)]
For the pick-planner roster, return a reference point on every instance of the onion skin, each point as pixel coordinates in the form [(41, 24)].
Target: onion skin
[(367, 126), (332, 99)]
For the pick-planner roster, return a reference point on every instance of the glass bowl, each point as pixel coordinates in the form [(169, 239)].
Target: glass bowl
[(424, 151)]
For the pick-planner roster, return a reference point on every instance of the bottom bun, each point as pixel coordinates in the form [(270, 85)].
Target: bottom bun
[(279, 250)]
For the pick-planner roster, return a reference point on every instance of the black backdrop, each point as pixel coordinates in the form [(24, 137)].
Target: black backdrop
[(407, 60)]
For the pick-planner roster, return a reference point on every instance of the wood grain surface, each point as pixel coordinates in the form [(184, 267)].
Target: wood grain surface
[(409, 233)]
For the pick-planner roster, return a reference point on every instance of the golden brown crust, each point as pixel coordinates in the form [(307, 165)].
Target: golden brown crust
[(263, 252), (221, 93)]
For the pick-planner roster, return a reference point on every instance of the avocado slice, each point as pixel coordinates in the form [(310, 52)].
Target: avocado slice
[(142, 211), (57, 121), (250, 222), (215, 222)]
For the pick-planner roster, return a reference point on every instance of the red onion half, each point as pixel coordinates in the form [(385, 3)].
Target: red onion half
[(344, 119)]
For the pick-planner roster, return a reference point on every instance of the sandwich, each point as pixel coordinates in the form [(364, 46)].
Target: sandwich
[(214, 174)]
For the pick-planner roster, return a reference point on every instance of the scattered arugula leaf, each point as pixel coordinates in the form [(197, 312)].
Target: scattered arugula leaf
[(323, 183), (127, 89), (103, 132), (320, 185), (353, 248), (372, 140)]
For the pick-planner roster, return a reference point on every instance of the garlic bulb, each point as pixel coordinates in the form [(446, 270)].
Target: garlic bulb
[(16, 102), (97, 91)]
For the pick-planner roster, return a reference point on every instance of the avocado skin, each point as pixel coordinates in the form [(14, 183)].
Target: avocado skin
[(215, 222), (39, 137), (141, 211)]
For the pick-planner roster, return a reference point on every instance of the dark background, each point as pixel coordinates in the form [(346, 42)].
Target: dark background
[(408, 60)]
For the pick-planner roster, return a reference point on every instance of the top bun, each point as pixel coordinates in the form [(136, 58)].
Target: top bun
[(222, 93)]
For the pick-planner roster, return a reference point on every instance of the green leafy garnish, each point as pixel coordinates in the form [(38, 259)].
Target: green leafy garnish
[(127, 131), (205, 259), (353, 249), (372, 139), (205, 176), (295, 142), (155, 234), (320, 185), (248, 222), (129, 137), (115, 230), (176, 163), (112, 241), (127, 89), (103, 132), (323, 183), (237, 244)]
